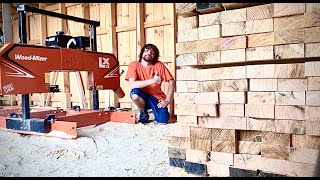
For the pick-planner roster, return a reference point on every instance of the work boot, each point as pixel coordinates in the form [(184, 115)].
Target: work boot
[(144, 116)]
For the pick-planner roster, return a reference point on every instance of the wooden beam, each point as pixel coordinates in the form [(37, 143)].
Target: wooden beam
[(125, 28), (140, 27), (113, 99), (162, 22)]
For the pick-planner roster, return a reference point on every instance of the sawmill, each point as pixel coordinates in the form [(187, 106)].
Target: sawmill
[(246, 100)]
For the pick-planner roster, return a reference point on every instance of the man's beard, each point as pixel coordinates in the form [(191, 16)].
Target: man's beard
[(148, 59)]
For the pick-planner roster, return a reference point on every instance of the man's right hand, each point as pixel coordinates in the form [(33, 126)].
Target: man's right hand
[(156, 78)]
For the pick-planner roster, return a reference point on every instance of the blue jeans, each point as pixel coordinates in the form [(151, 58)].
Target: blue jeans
[(161, 114)]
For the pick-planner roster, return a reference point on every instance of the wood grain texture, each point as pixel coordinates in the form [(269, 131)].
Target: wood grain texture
[(264, 11)]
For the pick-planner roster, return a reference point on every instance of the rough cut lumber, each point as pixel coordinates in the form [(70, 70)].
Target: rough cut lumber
[(261, 97), (232, 97), (264, 11), (275, 151), (223, 134), (182, 108), (217, 170), (187, 59), (200, 144), (209, 32), (221, 158), (277, 166), (263, 84), (186, 47), (260, 71), (273, 138), (177, 153), (187, 120), (197, 156), (261, 39), (205, 8), (311, 19), (247, 161), (312, 34), (233, 29), (236, 172), (188, 23), (236, 72), (236, 15), (208, 45), (186, 9), (179, 131), (187, 86), (289, 51), (252, 136), (313, 83), (185, 109), (234, 85), (207, 110), (209, 19), (290, 112), (180, 142), (187, 74), (259, 26), (287, 9), (313, 125), (294, 70), (290, 98), (207, 98), (312, 68), (313, 7), (290, 126), (260, 124), (305, 141), (312, 128), (208, 57), (223, 85), (308, 156), (231, 110), (200, 133), (181, 98), (209, 74), (175, 162), (293, 84), (233, 55), (312, 49), (195, 168), (236, 42), (264, 111), (259, 53), (187, 35), (289, 22), (224, 146), (290, 36), (312, 113), (313, 98), (223, 122), (247, 147)]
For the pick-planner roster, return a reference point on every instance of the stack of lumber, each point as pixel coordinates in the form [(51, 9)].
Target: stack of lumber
[(247, 95)]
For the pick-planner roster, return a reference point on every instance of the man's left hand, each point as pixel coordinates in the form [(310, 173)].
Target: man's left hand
[(163, 103)]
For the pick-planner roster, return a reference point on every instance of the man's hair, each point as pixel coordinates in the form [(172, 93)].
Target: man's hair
[(154, 48)]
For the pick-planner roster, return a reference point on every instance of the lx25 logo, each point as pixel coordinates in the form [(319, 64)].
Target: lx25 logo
[(104, 62)]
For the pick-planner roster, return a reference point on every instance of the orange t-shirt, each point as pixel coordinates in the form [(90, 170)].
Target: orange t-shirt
[(141, 73)]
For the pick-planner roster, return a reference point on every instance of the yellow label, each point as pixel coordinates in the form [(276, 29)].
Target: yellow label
[(47, 78)]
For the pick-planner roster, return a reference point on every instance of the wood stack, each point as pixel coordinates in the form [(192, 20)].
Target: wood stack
[(248, 92)]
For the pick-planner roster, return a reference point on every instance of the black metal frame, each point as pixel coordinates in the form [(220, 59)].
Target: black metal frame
[(23, 39)]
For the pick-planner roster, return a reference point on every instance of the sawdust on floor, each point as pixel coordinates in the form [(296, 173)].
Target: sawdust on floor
[(108, 150)]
